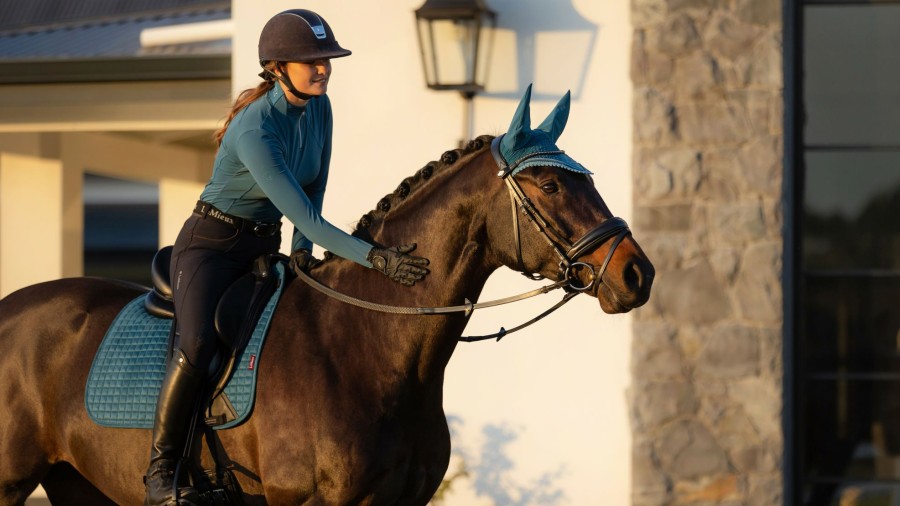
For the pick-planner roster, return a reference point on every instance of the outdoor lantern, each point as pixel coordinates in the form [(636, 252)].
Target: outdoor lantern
[(455, 38)]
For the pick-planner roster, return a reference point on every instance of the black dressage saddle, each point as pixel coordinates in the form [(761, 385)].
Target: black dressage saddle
[(236, 315)]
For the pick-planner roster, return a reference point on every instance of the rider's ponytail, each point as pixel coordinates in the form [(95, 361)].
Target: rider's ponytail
[(244, 99)]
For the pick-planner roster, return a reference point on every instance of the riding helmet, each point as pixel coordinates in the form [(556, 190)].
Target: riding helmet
[(298, 35)]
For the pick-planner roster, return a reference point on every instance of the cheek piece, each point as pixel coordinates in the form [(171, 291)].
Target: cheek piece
[(284, 78)]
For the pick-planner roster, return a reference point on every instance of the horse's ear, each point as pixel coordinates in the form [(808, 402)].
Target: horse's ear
[(519, 132), (556, 120)]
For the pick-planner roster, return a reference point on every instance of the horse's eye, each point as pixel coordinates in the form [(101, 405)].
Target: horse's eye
[(550, 187)]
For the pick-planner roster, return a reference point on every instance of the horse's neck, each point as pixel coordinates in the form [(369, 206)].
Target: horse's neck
[(447, 218)]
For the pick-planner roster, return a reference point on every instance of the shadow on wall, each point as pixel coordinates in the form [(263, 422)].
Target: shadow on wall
[(493, 474), (552, 49)]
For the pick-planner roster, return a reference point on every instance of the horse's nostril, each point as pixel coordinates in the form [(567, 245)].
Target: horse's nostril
[(633, 276)]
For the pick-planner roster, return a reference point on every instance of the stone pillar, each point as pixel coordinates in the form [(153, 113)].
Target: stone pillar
[(40, 219), (706, 393)]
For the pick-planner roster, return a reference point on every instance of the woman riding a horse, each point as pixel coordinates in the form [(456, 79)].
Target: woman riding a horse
[(348, 404)]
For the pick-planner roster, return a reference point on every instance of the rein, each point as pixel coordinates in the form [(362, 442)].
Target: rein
[(568, 252), (466, 308)]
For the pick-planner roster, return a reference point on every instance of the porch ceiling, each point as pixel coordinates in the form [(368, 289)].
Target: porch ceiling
[(183, 106)]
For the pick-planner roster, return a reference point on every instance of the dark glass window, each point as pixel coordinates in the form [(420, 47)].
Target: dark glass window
[(851, 64), (847, 426), (121, 228), (850, 209)]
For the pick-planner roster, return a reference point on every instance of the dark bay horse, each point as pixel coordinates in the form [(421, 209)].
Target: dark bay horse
[(349, 401)]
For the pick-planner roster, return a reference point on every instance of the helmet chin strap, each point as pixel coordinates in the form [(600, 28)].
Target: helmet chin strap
[(284, 78)]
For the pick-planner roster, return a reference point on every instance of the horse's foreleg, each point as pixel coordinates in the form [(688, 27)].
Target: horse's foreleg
[(19, 475), (14, 493), (23, 462)]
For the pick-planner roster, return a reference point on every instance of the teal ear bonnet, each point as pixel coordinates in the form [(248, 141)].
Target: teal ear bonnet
[(521, 141)]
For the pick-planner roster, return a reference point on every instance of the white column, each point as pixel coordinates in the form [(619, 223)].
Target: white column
[(40, 219), (72, 220), (176, 200)]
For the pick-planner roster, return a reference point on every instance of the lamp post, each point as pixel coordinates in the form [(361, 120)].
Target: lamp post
[(456, 38)]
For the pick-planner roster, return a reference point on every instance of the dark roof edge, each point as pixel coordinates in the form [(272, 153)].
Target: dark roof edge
[(145, 68)]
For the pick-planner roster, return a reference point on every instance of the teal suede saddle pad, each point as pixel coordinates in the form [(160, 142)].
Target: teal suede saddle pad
[(129, 366)]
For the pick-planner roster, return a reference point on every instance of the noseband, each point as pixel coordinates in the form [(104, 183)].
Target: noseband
[(567, 252)]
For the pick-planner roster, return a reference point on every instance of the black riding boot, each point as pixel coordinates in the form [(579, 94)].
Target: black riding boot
[(174, 409)]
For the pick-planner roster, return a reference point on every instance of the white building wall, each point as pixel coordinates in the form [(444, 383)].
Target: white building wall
[(552, 398)]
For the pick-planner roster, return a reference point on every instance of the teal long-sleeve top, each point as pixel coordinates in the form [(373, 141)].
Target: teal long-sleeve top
[(274, 161)]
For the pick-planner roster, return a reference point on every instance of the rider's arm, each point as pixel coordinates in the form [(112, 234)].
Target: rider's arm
[(263, 156)]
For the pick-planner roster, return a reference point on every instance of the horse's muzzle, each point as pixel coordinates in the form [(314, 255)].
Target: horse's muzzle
[(626, 284)]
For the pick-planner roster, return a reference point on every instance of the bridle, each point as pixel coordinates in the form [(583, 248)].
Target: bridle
[(567, 252)]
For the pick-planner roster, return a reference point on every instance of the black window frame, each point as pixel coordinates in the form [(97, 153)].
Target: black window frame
[(793, 184)]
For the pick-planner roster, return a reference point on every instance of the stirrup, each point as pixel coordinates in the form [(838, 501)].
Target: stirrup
[(162, 472)]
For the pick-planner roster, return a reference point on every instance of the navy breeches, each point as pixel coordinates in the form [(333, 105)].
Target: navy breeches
[(208, 256)]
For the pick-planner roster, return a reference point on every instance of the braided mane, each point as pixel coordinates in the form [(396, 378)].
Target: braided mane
[(412, 183)]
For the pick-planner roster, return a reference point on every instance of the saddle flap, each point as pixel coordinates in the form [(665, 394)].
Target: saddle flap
[(232, 309), (236, 315), (243, 301)]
